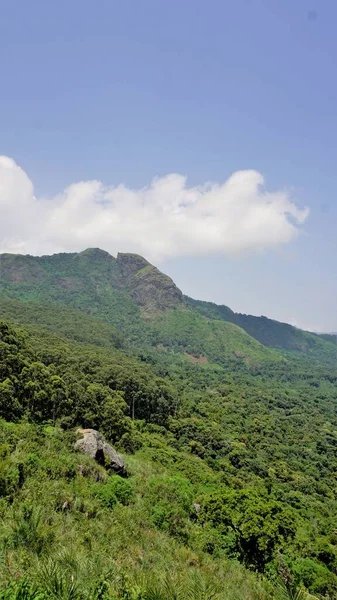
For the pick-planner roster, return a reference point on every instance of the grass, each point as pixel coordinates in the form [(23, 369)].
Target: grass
[(57, 532)]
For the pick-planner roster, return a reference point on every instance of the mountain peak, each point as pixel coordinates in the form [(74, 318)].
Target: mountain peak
[(148, 287), (95, 254)]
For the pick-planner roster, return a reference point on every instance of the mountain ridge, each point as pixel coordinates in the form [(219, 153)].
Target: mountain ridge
[(126, 289)]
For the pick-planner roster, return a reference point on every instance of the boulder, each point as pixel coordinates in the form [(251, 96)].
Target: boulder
[(92, 444)]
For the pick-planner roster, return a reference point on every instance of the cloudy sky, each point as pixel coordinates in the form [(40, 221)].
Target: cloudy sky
[(201, 135)]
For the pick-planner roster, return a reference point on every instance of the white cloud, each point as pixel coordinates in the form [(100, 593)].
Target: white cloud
[(162, 220)]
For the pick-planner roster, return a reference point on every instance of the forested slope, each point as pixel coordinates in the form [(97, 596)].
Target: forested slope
[(271, 333), (231, 446)]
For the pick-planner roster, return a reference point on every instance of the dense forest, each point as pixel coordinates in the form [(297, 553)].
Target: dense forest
[(227, 424)]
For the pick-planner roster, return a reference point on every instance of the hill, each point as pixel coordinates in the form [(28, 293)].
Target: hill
[(148, 309)]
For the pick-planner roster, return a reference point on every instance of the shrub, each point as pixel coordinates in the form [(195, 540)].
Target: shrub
[(114, 490)]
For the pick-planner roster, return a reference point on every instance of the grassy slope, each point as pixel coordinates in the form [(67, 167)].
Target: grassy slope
[(90, 542)]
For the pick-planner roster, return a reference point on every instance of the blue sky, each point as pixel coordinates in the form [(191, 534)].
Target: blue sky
[(123, 92)]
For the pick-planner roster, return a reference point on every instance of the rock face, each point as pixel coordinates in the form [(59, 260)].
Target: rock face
[(95, 446), (150, 288)]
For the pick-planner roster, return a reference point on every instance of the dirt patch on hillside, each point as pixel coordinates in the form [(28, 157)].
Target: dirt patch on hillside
[(196, 359)]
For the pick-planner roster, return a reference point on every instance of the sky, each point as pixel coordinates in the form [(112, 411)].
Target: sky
[(201, 135)]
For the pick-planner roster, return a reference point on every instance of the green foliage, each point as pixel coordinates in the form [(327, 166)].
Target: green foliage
[(253, 523), (94, 389), (272, 333), (22, 590), (112, 491), (229, 424), (9, 473), (30, 530), (241, 429), (170, 504), (71, 531)]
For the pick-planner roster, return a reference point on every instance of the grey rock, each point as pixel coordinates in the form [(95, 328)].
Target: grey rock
[(92, 444), (150, 288)]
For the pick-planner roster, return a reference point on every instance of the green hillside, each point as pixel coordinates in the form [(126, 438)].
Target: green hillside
[(270, 333), (211, 340), (67, 322), (87, 281), (148, 309), (109, 543), (230, 443)]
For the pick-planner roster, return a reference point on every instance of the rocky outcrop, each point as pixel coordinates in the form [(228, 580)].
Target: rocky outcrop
[(129, 264), (150, 288), (92, 444)]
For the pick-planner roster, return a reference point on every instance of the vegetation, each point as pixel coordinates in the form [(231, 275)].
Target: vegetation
[(271, 333), (230, 445)]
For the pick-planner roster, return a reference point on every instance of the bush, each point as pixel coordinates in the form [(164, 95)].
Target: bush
[(316, 577), (113, 491), (170, 503)]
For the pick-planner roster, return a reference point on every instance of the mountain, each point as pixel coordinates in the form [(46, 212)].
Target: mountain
[(93, 272), (149, 309), (227, 424)]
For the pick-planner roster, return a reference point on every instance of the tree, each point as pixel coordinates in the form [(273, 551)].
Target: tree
[(260, 524)]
